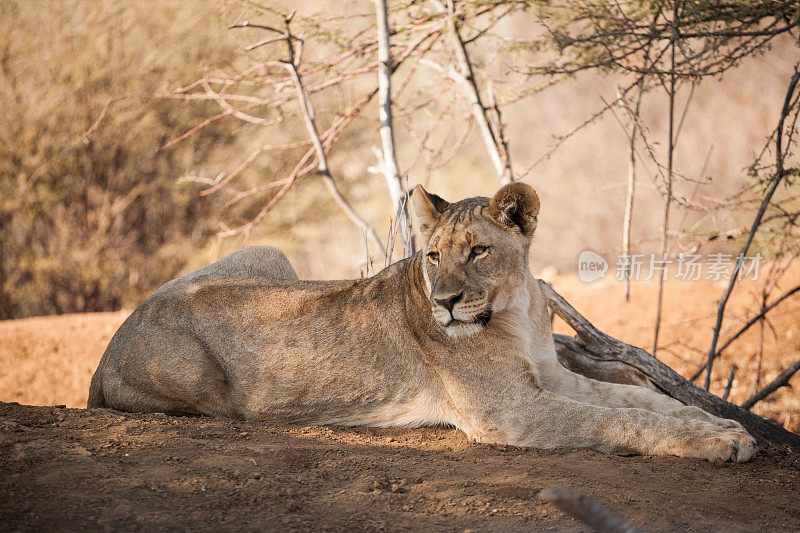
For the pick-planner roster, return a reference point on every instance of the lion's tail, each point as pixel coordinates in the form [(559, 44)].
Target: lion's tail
[(96, 396)]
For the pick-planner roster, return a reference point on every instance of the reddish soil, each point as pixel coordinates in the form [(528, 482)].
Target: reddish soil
[(74, 469)]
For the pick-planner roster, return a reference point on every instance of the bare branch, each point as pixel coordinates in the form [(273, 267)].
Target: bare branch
[(631, 190), (728, 383), (247, 24), (307, 109), (744, 328), (465, 78), (776, 180), (778, 382), (670, 157)]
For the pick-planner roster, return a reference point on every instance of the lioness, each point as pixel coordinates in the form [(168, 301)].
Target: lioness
[(457, 334)]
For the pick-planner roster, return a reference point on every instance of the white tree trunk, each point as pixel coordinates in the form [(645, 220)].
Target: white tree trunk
[(397, 189)]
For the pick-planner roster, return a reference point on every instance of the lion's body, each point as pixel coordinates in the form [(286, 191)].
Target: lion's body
[(244, 338), (269, 348)]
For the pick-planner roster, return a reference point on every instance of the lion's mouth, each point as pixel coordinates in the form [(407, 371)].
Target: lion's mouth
[(481, 319), (484, 318), (466, 318)]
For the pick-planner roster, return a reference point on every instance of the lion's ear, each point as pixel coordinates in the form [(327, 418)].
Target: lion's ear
[(427, 208), (516, 206)]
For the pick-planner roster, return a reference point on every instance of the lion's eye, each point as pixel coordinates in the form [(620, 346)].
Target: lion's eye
[(478, 251), (433, 257)]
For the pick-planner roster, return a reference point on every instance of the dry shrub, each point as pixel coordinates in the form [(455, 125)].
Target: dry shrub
[(93, 223)]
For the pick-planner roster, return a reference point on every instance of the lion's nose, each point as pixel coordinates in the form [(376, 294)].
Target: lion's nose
[(450, 302)]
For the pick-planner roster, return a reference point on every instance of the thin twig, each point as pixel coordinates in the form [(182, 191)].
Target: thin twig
[(728, 383), (670, 158), (764, 310), (778, 382), (776, 180), (631, 190)]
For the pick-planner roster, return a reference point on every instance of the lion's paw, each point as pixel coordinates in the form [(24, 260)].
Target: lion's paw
[(732, 445), (690, 412), (728, 424)]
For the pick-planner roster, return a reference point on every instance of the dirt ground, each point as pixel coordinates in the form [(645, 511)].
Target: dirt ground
[(71, 469), (63, 468)]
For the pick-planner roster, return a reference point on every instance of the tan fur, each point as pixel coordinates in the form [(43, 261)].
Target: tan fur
[(458, 334)]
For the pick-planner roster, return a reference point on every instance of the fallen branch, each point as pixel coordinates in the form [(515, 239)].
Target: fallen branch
[(777, 383), (588, 510), (629, 364)]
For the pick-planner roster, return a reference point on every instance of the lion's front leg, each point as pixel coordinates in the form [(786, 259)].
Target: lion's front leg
[(554, 377), (546, 420)]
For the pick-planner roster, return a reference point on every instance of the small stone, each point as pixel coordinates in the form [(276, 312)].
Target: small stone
[(11, 426), (80, 450)]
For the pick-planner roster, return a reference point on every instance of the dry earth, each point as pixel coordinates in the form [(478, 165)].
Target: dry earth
[(71, 469), (74, 469)]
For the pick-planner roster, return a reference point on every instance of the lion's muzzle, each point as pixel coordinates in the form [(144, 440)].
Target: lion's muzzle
[(451, 310)]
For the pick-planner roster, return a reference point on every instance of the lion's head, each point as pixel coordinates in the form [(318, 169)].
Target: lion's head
[(475, 254)]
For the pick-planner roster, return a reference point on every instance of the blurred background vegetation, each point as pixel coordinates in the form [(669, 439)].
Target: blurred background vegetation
[(95, 213), (91, 223)]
